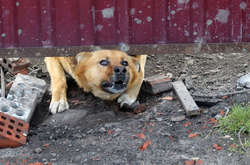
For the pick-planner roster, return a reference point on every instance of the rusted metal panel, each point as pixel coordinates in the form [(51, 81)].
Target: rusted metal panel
[(67, 23)]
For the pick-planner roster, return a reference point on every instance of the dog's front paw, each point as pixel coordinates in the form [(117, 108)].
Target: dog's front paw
[(58, 106), (126, 100)]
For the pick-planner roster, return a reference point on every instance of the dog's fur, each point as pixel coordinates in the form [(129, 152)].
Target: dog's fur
[(89, 71)]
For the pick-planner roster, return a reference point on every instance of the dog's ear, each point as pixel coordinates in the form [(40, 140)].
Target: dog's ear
[(139, 61), (80, 56)]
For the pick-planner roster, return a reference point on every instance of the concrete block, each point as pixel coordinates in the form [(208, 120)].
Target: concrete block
[(23, 97)]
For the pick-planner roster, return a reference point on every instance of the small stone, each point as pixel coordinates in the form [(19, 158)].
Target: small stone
[(102, 130), (53, 154), (38, 150), (218, 116), (178, 118)]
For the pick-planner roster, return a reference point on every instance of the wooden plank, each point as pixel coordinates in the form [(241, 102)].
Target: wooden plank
[(186, 99)]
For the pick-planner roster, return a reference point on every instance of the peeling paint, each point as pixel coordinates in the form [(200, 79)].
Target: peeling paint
[(82, 39), (175, 25), (81, 26), (149, 19), (183, 1), (3, 35), (209, 22), (163, 19), (19, 31), (195, 5), (222, 15), (140, 11), (17, 4), (132, 11), (124, 47), (148, 6), (138, 21), (108, 12), (172, 12), (44, 11), (99, 27), (186, 33), (243, 5)]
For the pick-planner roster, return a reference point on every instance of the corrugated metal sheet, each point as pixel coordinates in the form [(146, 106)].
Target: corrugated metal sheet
[(53, 23)]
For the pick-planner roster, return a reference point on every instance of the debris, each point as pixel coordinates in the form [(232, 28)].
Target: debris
[(187, 124), (38, 150), (178, 118), (141, 136), (192, 135), (16, 111), (145, 145), (157, 84), (15, 65), (217, 147), (2, 83), (244, 81), (169, 98), (186, 99)]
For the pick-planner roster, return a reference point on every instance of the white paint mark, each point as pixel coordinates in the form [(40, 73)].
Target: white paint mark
[(82, 39), (209, 22), (132, 11), (46, 43), (149, 6), (17, 4), (44, 11), (19, 31), (243, 5), (179, 9), (175, 25), (169, 17), (195, 5), (3, 35), (195, 33), (195, 24), (124, 47), (186, 33), (163, 19), (172, 12), (183, 1), (81, 26), (149, 19), (99, 27), (138, 21), (222, 15), (108, 12), (140, 11)]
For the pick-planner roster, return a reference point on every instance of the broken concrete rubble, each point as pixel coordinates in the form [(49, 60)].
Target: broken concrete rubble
[(244, 81), (25, 93)]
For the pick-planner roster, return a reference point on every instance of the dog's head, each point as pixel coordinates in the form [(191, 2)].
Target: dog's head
[(107, 72)]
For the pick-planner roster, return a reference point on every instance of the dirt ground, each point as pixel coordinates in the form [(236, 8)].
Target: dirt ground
[(95, 132)]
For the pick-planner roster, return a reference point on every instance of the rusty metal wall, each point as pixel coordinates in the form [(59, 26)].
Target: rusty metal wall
[(56, 23)]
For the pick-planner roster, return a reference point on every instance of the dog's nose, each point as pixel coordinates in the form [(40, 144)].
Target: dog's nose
[(120, 70)]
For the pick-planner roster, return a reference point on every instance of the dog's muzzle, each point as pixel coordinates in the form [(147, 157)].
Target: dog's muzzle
[(118, 81)]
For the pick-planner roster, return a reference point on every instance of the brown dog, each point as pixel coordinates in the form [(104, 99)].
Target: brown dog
[(108, 74)]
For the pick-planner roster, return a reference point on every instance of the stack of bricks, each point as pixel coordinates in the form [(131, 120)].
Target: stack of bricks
[(17, 109)]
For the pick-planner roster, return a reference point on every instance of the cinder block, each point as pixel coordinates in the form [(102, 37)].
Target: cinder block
[(23, 97)]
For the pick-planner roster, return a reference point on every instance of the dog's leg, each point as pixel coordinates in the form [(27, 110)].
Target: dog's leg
[(130, 96), (58, 85)]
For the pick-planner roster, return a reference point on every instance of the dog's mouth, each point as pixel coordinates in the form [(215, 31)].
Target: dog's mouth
[(115, 85)]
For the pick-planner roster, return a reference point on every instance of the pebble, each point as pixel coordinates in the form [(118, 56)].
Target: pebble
[(102, 130), (178, 118), (53, 154), (38, 150)]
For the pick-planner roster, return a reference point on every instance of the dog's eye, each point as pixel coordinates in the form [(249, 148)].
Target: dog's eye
[(124, 63), (104, 62)]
